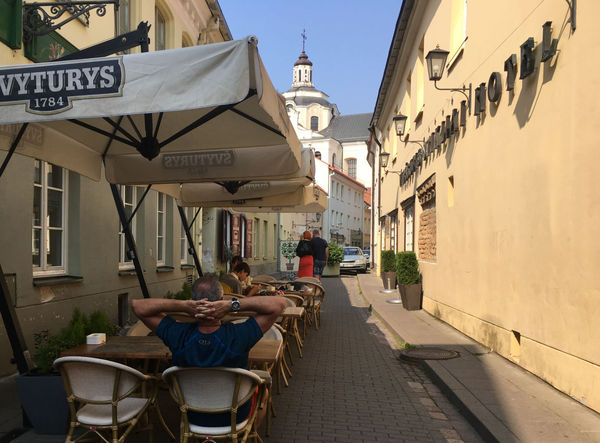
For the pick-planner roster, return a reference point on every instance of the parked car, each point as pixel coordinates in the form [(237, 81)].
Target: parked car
[(367, 254), (354, 260)]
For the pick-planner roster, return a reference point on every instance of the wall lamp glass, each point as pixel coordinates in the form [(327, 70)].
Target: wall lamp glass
[(436, 60), (400, 124), (384, 158)]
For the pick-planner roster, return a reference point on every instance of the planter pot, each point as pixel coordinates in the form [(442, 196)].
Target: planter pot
[(44, 401), (411, 296), (331, 270), (389, 280)]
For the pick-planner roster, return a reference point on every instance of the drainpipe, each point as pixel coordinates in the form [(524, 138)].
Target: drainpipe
[(376, 173)]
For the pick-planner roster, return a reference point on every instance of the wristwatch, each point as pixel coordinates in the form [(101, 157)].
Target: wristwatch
[(235, 305)]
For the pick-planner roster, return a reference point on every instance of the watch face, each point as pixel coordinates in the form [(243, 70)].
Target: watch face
[(235, 305)]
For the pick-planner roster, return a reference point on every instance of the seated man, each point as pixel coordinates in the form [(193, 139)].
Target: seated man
[(208, 343), (236, 280)]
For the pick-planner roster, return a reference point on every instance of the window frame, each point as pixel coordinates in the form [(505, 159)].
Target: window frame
[(44, 229), (124, 262), (161, 237)]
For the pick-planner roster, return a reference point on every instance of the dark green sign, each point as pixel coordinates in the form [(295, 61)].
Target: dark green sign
[(11, 22), (45, 48)]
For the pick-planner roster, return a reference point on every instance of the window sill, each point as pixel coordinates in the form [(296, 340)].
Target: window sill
[(164, 268), (186, 266), (126, 272), (55, 281)]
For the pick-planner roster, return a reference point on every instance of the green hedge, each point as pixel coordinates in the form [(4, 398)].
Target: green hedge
[(407, 268), (388, 261), (336, 254)]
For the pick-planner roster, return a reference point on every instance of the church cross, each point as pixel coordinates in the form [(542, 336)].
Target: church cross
[(303, 38)]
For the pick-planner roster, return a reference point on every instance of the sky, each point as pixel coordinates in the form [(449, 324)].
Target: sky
[(347, 42)]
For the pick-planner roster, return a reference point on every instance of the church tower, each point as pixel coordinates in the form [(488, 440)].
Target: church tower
[(302, 74)]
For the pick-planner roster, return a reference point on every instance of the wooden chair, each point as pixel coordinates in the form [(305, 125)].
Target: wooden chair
[(316, 294), (215, 390), (226, 288), (263, 279), (292, 325), (103, 396), (139, 329)]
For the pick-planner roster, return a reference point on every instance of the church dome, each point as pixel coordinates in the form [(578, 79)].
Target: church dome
[(303, 60)]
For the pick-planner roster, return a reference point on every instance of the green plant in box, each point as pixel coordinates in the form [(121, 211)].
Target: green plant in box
[(49, 347), (407, 268), (336, 254), (388, 261)]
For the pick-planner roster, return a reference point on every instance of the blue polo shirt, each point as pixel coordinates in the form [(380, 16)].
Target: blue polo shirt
[(228, 346)]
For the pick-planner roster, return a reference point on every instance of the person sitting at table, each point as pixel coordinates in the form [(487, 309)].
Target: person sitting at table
[(236, 260), (237, 280), (208, 342)]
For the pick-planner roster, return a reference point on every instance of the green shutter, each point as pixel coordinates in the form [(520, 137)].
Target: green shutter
[(11, 22), (48, 47)]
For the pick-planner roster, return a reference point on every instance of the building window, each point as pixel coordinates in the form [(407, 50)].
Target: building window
[(352, 167), (333, 160), (458, 25), (125, 16), (314, 123), (48, 224), (161, 212), (409, 214), (275, 243), (342, 193), (265, 238), (189, 215), (160, 33), (255, 238), (129, 198), (393, 225)]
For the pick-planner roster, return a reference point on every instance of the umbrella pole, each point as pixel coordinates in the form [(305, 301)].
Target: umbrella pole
[(131, 249), (9, 316), (188, 234)]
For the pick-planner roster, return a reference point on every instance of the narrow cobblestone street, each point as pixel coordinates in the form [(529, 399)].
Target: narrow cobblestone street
[(350, 387)]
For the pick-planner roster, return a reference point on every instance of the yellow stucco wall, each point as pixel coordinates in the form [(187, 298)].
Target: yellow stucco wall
[(516, 250)]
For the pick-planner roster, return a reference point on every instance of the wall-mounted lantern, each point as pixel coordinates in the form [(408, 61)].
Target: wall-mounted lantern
[(436, 60), (400, 125), (384, 158)]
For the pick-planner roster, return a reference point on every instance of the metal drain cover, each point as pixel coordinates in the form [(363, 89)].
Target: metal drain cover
[(419, 354)]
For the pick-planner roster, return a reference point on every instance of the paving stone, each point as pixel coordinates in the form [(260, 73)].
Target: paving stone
[(350, 386)]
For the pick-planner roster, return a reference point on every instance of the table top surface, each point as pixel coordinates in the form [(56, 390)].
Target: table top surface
[(120, 347), (152, 347)]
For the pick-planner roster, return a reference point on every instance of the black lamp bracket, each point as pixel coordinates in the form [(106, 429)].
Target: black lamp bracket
[(421, 143), (462, 90), (39, 18)]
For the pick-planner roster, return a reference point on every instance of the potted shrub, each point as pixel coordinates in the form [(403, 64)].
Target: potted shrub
[(409, 280), (336, 255), (41, 390), (388, 269)]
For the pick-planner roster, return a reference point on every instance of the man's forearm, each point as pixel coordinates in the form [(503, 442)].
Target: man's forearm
[(263, 305), (148, 307)]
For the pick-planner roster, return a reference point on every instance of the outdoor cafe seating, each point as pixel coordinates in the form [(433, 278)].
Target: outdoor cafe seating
[(267, 359), (105, 396), (212, 391)]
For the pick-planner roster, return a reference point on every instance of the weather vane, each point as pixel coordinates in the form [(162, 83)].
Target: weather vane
[(303, 38)]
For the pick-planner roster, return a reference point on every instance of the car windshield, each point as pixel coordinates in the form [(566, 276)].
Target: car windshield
[(351, 251)]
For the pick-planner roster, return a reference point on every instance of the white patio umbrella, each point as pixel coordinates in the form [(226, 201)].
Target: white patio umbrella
[(207, 192), (304, 199), (197, 114)]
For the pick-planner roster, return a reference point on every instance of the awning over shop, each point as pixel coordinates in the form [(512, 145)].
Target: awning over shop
[(197, 114)]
